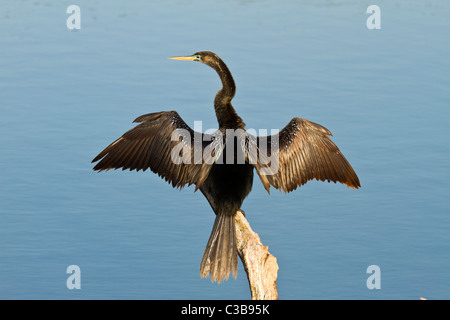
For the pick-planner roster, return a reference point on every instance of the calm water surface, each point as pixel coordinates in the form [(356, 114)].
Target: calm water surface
[(65, 95)]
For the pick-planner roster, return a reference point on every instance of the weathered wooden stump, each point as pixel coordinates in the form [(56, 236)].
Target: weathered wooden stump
[(261, 267)]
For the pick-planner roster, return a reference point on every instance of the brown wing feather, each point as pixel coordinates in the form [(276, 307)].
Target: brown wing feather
[(305, 152), (149, 145)]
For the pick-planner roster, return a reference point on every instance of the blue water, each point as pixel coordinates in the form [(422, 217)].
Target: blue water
[(66, 94)]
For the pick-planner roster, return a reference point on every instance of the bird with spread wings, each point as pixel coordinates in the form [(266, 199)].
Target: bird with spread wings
[(303, 151)]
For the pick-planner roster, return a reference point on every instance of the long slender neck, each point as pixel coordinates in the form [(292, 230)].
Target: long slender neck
[(225, 113)]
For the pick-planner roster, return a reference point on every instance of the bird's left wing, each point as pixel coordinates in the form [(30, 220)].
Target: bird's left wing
[(302, 151), (157, 143)]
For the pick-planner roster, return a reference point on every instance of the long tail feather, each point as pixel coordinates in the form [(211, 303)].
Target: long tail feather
[(221, 257)]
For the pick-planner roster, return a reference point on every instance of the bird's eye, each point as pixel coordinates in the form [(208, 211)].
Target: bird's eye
[(197, 57)]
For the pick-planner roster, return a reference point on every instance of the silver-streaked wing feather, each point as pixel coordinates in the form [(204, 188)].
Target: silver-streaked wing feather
[(304, 152), (150, 145)]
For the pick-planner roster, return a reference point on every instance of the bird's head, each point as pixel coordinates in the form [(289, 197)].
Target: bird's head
[(207, 57), (211, 59)]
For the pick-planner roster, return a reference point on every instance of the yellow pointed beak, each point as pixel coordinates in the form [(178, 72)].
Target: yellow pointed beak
[(187, 58)]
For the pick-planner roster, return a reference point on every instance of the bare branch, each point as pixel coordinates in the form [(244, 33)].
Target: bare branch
[(261, 267)]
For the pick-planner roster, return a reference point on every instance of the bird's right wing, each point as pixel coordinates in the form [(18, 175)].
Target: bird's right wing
[(155, 144), (302, 151)]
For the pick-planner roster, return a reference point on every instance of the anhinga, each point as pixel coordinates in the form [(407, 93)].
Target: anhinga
[(303, 151)]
